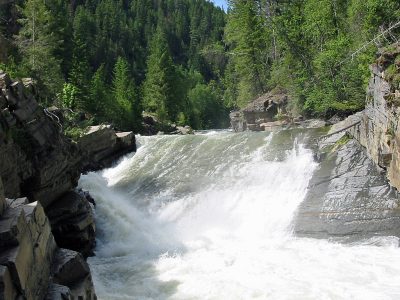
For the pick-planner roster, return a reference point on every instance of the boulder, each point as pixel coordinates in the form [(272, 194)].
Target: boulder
[(71, 271), (238, 122), (126, 141), (103, 146), (72, 222), (69, 267), (183, 130), (98, 141)]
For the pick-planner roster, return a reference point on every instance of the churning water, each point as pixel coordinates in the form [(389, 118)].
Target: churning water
[(209, 217)]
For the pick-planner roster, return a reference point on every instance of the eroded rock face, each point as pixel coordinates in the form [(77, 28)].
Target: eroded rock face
[(379, 130), (26, 253), (71, 278), (37, 160), (32, 267), (102, 145), (349, 197), (72, 222), (40, 163)]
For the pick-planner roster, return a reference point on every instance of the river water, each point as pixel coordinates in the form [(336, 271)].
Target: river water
[(210, 216)]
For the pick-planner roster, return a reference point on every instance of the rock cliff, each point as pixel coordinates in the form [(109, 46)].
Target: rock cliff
[(45, 237), (379, 130), (354, 193)]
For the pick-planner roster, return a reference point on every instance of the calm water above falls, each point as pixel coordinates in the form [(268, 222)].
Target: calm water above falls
[(209, 217)]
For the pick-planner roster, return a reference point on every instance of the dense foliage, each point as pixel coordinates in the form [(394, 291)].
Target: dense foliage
[(305, 46), (189, 62), (113, 58)]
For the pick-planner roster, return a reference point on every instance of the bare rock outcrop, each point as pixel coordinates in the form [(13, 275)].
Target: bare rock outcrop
[(379, 129), (262, 110), (102, 145), (40, 163), (31, 264), (37, 160), (348, 197)]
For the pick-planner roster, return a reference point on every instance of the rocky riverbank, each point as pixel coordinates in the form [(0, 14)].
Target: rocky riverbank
[(354, 193), (46, 225)]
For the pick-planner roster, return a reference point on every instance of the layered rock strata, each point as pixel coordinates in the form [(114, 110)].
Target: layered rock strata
[(30, 263), (348, 197), (40, 163), (379, 130)]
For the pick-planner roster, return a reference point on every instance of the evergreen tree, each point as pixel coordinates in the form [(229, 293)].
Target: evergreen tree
[(125, 114), (37, 45), (99, 99), (246, 35), (158, 86)]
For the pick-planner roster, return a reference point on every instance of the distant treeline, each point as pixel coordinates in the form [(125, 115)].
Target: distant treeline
[(189, 62)]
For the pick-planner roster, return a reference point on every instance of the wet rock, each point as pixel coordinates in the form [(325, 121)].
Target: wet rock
[(151, 126), (313, 123), (270, 126), (71, 273), (340, 129), (238, 123), (69, 267), (183, 130), (72, 222), (348, 197)]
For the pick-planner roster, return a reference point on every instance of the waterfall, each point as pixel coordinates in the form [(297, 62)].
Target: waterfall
[(210, 216)]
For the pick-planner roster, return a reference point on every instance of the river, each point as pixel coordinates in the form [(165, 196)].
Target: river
[(210, 216)]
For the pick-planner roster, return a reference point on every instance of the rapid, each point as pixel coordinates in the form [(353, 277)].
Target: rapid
[(210, 216)]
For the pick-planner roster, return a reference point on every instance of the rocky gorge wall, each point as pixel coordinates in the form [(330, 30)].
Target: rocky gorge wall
[(354, 193), (379, 129), (46, 225)]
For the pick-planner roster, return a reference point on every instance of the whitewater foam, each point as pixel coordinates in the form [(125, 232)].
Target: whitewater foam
[(209, 217)]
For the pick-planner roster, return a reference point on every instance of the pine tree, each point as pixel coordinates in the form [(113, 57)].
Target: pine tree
[(126, 105), (80, 75), (37, 45), (246, 35), (99, 105), (158, 86)]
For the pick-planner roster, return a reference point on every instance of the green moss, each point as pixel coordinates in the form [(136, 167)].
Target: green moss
[(341, 142), (75, 133), (390, 72), (392, 75)]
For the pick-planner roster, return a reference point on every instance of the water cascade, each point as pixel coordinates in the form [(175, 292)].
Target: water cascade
[(210, 216)]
